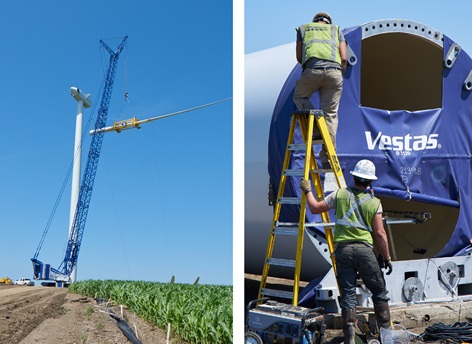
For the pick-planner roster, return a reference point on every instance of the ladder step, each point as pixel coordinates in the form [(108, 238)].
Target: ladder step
[(306, 125), (289, 200), (299, 173), (302, 146), (281, 262), (291, 173), (286, 224), (286, 230), (292, 227), (297, 147), (277, 293), (319, 224)]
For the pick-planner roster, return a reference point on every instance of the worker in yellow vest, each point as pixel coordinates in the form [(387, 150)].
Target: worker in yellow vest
[(321, 50), (358, 226)]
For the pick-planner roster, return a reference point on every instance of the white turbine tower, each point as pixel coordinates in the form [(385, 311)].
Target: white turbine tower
[(83, 101)]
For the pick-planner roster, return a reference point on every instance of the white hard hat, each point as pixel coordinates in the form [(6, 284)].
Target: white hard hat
[(324, 17), (365, 169)]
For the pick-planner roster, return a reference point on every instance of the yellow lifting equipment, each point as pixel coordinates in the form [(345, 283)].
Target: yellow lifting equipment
[(306, 121)]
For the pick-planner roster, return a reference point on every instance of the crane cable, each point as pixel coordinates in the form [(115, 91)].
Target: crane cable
[(126, 74), (157, 183), (183, 111), (117, 217), (134, 122)]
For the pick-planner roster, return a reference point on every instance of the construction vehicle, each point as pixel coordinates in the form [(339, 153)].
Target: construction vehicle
[(413, 121), (62, 275), (6, 280)]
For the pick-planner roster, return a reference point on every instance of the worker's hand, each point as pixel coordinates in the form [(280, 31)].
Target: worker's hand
[(305, 185), (385, 264), (388, 266)]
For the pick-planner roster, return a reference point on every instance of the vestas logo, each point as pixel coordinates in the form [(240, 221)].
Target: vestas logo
[(405, 143)]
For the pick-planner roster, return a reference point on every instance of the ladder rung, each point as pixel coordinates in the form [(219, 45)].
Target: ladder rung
[(307, 224), (319, 224), (286, 230), (299, 173), (297, 147), (281, 262), (277, 293), (291, 173), (286, 224), (302, 146), (294, 228), (289, 200)]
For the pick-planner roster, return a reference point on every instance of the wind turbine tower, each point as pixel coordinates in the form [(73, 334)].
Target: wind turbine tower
[(83, 101)]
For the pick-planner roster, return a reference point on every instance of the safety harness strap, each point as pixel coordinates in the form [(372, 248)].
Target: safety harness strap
[(355, 208)]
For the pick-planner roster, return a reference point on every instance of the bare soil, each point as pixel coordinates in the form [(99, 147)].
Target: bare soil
[(44, 315)]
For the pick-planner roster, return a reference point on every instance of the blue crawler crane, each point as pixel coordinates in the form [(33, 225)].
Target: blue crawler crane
[(62, 275)]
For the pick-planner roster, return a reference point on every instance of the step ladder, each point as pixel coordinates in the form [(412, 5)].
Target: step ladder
[(306, 121)]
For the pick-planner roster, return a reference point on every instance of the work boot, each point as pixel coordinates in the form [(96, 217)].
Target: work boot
[(382, 315), (349, 323)]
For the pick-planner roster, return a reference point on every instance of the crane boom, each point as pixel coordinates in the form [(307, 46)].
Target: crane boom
[(44, 271)]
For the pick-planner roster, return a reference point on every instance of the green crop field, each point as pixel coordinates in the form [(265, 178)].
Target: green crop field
[(199, 314)]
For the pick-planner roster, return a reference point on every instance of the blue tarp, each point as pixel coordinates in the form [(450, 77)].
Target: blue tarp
[(424, 155)]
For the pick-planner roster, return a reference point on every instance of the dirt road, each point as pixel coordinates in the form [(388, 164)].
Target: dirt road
[(44, 315)]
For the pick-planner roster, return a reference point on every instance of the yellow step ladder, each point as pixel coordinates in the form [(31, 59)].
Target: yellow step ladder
[(306, 121)]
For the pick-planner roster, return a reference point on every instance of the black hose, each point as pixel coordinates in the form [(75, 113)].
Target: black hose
[(122, 325), (459, 332)]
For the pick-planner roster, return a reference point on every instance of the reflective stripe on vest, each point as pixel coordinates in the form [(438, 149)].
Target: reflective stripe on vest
[(320, 41), (355, 209)]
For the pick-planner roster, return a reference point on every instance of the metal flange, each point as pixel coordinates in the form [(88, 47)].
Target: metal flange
[(413, 289), (449, 274)]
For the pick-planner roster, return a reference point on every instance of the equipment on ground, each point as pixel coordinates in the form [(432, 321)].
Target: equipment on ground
[(274, 322), (5, 280), (62, 275), (306, 121)]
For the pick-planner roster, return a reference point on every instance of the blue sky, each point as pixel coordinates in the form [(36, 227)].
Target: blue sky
[(269, 23), (162, 199)]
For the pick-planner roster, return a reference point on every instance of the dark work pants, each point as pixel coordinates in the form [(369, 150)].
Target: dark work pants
[(353, 258)]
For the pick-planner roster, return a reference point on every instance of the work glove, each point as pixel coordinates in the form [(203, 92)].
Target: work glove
[(305, 185), (385, 264)]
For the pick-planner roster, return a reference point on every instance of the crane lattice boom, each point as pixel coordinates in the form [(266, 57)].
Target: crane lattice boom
[(44, 271)]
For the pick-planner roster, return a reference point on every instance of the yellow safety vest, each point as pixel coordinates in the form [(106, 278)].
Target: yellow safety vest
[(320, 41), (355, 210)]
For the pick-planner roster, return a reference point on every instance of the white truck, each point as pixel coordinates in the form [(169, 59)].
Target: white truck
[(24, 281)]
